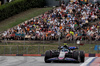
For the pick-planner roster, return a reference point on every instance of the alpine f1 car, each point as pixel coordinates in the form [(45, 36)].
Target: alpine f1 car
[(64, 54)]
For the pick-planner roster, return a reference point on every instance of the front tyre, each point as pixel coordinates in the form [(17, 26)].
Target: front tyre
[(48, 55), (76, 56), (82, 56)]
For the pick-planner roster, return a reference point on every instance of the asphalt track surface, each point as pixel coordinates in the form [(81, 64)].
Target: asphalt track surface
[(30, 61)]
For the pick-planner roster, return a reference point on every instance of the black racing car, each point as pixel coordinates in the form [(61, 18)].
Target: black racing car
[(64, 54)]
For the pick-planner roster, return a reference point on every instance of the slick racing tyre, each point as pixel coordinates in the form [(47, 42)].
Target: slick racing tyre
[(82, 56), (48, 55), (76, 56)]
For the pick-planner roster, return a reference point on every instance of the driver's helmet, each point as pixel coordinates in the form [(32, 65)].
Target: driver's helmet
[(65, 43)]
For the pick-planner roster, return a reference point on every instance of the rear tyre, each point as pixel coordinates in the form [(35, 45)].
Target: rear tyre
[(82, 56), (48, 55)]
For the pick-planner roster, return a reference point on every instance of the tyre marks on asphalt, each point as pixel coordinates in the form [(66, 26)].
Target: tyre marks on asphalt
[(2, 59), (24, 61), (19, 61), (16, 61)]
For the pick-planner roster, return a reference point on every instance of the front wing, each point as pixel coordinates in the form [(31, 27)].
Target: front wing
[(63, 60)]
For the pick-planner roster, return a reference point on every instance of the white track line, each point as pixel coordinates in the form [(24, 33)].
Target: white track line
[(87, 61)]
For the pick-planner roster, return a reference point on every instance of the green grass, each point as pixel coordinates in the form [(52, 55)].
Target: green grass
[(21, 17), (31, 48)]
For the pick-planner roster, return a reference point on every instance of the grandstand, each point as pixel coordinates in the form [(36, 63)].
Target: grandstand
[(72, 21)]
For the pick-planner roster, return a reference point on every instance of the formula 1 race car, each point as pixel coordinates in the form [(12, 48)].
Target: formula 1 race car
[(64, 54)]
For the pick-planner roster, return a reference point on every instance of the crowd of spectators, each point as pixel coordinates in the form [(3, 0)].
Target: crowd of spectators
[(70, 22)]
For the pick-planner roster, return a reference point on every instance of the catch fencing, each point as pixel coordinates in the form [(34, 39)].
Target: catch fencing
[(40, 47)]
